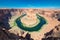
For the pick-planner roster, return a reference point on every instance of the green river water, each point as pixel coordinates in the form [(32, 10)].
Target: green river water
[(37, 27)]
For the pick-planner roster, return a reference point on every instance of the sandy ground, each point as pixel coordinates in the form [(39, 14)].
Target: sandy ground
[(46, 28)]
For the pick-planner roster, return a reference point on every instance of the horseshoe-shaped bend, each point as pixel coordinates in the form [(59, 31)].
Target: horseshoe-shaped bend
[(37, 27)]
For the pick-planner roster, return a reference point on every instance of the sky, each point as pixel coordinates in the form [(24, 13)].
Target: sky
[(29, 3)]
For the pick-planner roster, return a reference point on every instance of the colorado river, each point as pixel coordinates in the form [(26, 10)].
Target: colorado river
[(31, 29)]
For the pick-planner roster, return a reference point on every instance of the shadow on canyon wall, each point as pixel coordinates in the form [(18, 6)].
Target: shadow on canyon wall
[(6, 35), (5, 15), (53, 35)]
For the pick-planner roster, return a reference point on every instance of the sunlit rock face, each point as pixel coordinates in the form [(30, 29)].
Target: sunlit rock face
[(31, 26), (53, 34), (29, 21), (8, 19), (29, 18)]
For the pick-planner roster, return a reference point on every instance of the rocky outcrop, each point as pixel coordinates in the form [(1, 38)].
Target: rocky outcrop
[(6, 14), (54, 34), (56, 15), (4, 18)]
